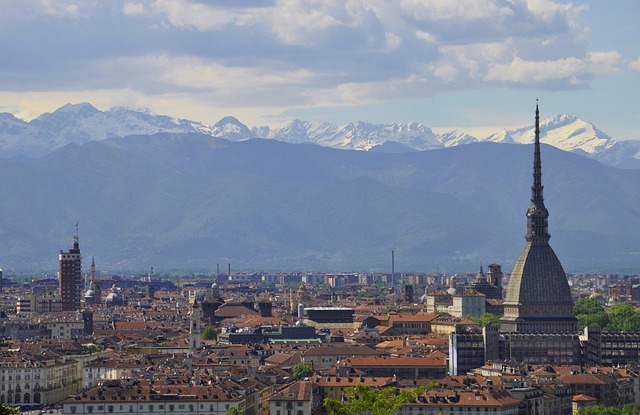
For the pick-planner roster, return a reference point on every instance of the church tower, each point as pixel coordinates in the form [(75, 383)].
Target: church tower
[(538, 296), (195, 329)]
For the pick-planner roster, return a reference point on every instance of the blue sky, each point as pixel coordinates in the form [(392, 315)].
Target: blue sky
[(444, 63)]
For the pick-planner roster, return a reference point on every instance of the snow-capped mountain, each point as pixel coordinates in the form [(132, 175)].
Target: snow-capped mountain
[(79, 123), (356, 136), (567, 132)]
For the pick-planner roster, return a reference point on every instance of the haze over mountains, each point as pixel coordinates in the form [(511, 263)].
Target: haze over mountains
[(186, 201)]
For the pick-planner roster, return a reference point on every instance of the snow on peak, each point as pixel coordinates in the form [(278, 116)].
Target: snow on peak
[(567, 132), (503, 136), (230, 128), (82, 108)]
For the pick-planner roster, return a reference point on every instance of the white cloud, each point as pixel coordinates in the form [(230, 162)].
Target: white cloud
[(282, 53), (187, 15), (61, 8), (634, 65), (577, 71), (201, 74), (425, 36), (130, 9), (455, 9)]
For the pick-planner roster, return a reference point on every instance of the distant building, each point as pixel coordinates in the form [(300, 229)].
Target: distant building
[(490, 284), (70, 277)]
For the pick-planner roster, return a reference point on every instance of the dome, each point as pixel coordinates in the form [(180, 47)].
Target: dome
[(114, 298), (452, 286), (89, 294), (538, 278)]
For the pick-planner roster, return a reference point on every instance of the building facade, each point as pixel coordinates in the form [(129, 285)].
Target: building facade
[(70, 277)]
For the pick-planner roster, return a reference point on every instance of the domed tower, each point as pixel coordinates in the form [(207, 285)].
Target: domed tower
[(538, 296)]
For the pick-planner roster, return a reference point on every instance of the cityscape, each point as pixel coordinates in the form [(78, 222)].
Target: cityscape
[(319, 207), (292, 343)]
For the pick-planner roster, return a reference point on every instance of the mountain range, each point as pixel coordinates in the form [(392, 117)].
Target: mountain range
[(186, 201), (80, 123)]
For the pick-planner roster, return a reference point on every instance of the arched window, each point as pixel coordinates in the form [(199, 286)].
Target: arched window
[(27, 398), (1, 398), (36, 397), (17, 398), (9, 398)]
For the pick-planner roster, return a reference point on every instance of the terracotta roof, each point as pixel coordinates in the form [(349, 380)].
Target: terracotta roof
[(435, 359), (583, 398), (299, 391)]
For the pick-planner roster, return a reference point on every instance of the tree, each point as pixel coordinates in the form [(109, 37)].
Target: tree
[(600, 410), (587, 306), (487, 319), (433, 385), (209, 333), (8, 409), (623, 317), (362, 398), (233, 411), (301, 371), (590, 312), (631, 409)]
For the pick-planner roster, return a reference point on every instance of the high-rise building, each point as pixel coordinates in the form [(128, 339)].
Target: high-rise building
[(70, 276), (538, 297)]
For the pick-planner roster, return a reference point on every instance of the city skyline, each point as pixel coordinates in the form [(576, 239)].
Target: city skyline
[(480, 65)]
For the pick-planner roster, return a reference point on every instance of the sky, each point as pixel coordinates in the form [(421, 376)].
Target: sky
[(443, 63)]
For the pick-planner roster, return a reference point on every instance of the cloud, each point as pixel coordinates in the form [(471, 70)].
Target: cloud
[(573, 70), (634, 65), (280, 53), (61, 8), (131, 9)]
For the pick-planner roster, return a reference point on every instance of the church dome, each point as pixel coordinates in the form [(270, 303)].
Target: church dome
[(114, 298), (452, 286)]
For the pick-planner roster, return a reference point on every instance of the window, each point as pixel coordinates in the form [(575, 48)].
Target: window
[(90, 408), (278, 403)]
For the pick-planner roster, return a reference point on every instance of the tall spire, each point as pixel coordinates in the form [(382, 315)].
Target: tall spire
[(537, 214)]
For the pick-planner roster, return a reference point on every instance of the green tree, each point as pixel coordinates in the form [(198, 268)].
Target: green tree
[(8, 409), (590, 312), (433, 385), (631, 409), (623, 317), (362, 398), (600, 410), (487, 319), (587, 306), (233, 411), (209, 333), (301, 371)]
